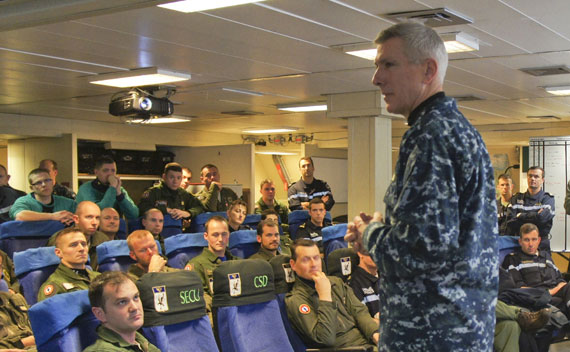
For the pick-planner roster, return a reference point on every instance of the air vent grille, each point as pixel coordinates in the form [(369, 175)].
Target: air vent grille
[(433, 18), (242, 113), (543, 117), (547, 71)]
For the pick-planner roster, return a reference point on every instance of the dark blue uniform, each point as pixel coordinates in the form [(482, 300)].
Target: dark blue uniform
[(525, 208)]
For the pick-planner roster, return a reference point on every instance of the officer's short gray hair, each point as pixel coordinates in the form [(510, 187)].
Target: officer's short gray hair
[(420, 43)]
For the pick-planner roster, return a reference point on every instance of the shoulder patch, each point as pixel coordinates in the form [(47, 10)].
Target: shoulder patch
[(49, 290), (304, 309), (189, 267), (145, 194)]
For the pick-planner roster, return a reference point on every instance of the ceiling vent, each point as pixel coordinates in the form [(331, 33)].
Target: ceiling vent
[(461, 98), (242, 113), (543, 117), (433, 18), (547, 71)]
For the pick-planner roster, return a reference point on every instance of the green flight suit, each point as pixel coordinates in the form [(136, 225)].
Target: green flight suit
[(8, 272), (64, 280), (162, 197), (204, 264), (110, 341), (137, 271), (263, 254), (343, 322), (214, 199), (281, 209), (14, 322), (94, 240)]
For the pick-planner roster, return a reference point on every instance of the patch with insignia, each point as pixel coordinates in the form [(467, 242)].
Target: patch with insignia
[(289, 275), (160, 299), (68, 285), (235, 284), (304, 309), (189, 267), (345, 266), (145, 194), (49, 290)]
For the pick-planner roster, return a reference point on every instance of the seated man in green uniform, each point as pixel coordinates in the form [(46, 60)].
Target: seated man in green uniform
[(115, 302), (87, 217), (218, 237), (41, 203), (15, 329), (71, 274), (106, 190), (153, 222), (268, 201), (144, 250), (268, 238), (7, 272), (323, 309), (169, 198), (213, 196), (284, 237)]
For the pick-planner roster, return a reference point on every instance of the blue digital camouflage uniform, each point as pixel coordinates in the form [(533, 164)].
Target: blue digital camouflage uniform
[(437, 252)]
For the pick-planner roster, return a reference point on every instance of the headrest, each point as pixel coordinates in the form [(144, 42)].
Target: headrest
[(170, 222), (184, 240), (201, 219), (252, 219), (341, 262), (298, 216), (34, 258), (284, 276), (30, 228), (112, 249), (507, 242), (242, 236), (172, 297), (333, 232), (56, 313), (240, 282)]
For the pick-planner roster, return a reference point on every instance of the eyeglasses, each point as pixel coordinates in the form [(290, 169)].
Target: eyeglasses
[(41, 182)]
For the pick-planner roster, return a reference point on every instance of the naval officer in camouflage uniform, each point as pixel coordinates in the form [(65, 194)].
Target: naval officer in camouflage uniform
[(71, 274), (436, 250), (169, 198)]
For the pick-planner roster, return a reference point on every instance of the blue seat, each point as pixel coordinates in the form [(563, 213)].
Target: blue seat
[(342, 263), (135, 224), (197, 224), (114, 256), (122, 233), (33, 266), (183, 247), (507, 244), (171, 227), (244, 316), (64, 322), (4, 285), (298, 217), (17, 236), (252, 220), (243, 243), (333, 238)]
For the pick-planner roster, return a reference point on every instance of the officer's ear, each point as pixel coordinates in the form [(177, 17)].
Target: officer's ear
[(58, 252), (258, 239), (132, 255), (99, 313)]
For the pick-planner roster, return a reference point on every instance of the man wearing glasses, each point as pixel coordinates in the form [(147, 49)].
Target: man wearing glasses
[(41, 203)]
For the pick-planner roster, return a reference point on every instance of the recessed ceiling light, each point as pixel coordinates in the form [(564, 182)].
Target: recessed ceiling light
[(243, 91), (459, 42), (559, 90), (157, 119), (273, 130), (304, 107), (138, 77), (276, 153), (187, 6)]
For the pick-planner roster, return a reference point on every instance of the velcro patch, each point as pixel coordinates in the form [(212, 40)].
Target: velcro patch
[(235, 284), (189, 267), (49, 290), (304, 309), (160, 299)]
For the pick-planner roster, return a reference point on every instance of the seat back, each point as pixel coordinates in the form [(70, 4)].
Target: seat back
[(114, 256), (64, 322), (507, 245), (283, 275), (17, 236), (342, 263), (4, 285), (33, 266), (171, 227), (243, 243), (175, 311), (122, 233), (333, 238), (183, 247), (252, 220), (245, 308), (197, 224)]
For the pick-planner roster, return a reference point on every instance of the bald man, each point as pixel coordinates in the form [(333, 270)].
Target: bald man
[(109, 224), (87, 217)]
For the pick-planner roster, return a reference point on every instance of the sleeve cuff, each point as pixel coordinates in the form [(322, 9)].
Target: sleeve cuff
[(120, 197)]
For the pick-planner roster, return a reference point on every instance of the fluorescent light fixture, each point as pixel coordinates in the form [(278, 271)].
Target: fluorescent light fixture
[(459, 42), (157, 119), (243, 91), (273, 130), (368, 54), (366, 50), (276, 153), (304, 107), (559, 90), (203, 5), (138, 77)]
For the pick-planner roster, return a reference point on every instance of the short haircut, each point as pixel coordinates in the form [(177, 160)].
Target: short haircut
[(135, 235), (505, 177), (315, 201), (105, 159), (209, 166), (237, 202), (267, 180), (216, 218), (4, 168), (537, 168), (528, 228), (172, 167), (53, 163), (420, 43), (263, 223), (97, 286), (67, 231), (35, 172), (301, 242), (306, 158), (184, 168), (150, 211), (268, 212)]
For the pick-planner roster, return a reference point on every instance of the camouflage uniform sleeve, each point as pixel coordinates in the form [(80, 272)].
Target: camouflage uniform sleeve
[(318, 326), (364, 321), (193, 206), (209, 198)]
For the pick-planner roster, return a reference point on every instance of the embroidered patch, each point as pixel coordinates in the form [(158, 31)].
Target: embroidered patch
[(189, 267), (345, 266), (289, 275), (160, 299), (304, 309), (235, 284), (48, 290)]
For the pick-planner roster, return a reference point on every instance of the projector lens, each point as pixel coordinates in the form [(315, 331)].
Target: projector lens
[(145, 104)]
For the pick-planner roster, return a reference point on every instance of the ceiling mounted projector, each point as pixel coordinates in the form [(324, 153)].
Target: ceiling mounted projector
[(139, 103)]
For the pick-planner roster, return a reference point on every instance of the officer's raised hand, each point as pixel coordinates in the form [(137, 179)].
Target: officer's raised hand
[(355, 230), (323, 286)]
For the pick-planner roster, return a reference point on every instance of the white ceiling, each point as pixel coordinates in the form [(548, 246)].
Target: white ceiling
[(46, 52)]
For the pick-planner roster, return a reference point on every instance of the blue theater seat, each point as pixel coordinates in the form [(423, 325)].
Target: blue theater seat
[(244, 317), (507, 244), (16, 236), (114, 256), (197, 224), (298, 217), (33, 266), (4, 285), (122, 233), (183, 247), (243, 243), (171, 227), (252, 220), (333, 238), (64, 322)]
